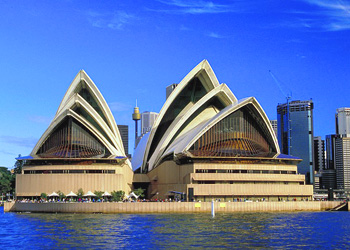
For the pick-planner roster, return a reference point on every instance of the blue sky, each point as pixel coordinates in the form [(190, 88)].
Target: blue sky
[(134, 49)]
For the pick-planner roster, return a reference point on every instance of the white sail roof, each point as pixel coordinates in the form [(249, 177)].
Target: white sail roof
[(197, 104), (196, 84), (91, 126)]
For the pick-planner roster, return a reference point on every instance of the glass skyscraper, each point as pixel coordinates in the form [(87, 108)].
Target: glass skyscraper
[(147, 121), (342, 121), (295, 133)]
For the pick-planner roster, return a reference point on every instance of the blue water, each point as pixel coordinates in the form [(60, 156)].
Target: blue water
[(306, 230)]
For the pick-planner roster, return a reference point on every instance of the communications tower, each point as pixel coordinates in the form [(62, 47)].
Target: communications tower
[(136, 116)]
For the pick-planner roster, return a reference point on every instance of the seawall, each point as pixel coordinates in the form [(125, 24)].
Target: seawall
[(170, 207)]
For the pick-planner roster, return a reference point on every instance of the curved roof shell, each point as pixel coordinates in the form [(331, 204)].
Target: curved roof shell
[(195, 106), (184, 143), (82, 127)]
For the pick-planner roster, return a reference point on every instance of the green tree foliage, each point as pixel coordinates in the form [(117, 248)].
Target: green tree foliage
[(5, 181), (17, 169), (60, 194), (18, 166), (139, 192), (80, 193), (43, 196), (98, 194), (118, 195)]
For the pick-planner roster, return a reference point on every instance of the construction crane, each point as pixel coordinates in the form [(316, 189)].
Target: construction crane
[(288, 98)]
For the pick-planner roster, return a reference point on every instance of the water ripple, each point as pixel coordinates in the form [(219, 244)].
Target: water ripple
[(304, 230)]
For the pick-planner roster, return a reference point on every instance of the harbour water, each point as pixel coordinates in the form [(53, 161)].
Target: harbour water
[(308, 230)]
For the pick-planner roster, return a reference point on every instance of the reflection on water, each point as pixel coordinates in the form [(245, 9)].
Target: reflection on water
[(324, 230)]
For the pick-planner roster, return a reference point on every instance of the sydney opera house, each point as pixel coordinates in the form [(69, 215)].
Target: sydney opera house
[(81, 148), (205, 144)]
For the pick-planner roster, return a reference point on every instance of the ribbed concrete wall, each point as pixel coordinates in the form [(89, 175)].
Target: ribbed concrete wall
[(169, 207)]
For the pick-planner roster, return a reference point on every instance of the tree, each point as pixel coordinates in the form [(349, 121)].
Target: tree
[(17, 169), (80, 193), (98, 194), (139, 192), (43, 196), (5, 181), (118, 195), (60, 194)]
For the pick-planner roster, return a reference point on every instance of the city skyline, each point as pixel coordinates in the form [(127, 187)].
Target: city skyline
[(135, 50)]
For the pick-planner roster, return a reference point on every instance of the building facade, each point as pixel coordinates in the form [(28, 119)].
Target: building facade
[(295, 134), (329, 179), (147, 121), (274, 126), (124, 133), (319, 154), (342, 162), (342, 121)]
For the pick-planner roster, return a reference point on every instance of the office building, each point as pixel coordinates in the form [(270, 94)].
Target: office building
[(342, 121), (124, 133), (295, 133), (319, 153), (318, 181), (329, 179), (147, 121), (274, 126), (342, 162), (330, 151)]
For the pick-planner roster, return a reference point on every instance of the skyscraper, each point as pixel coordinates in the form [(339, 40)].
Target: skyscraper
[(330, 151), (319, 156), (124, 133), (342, 162), (147, 121), (295, 133), (342, 121), (274, 126)]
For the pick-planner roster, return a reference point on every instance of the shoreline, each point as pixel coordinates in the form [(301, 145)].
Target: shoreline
[(171, 207)]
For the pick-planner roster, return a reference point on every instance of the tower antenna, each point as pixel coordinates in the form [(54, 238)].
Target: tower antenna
[(136, 116)]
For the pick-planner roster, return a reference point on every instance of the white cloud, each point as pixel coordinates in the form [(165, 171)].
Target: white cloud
[(330, 15), (116, 20), (214, 35), (196, 7), (120, 107)]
